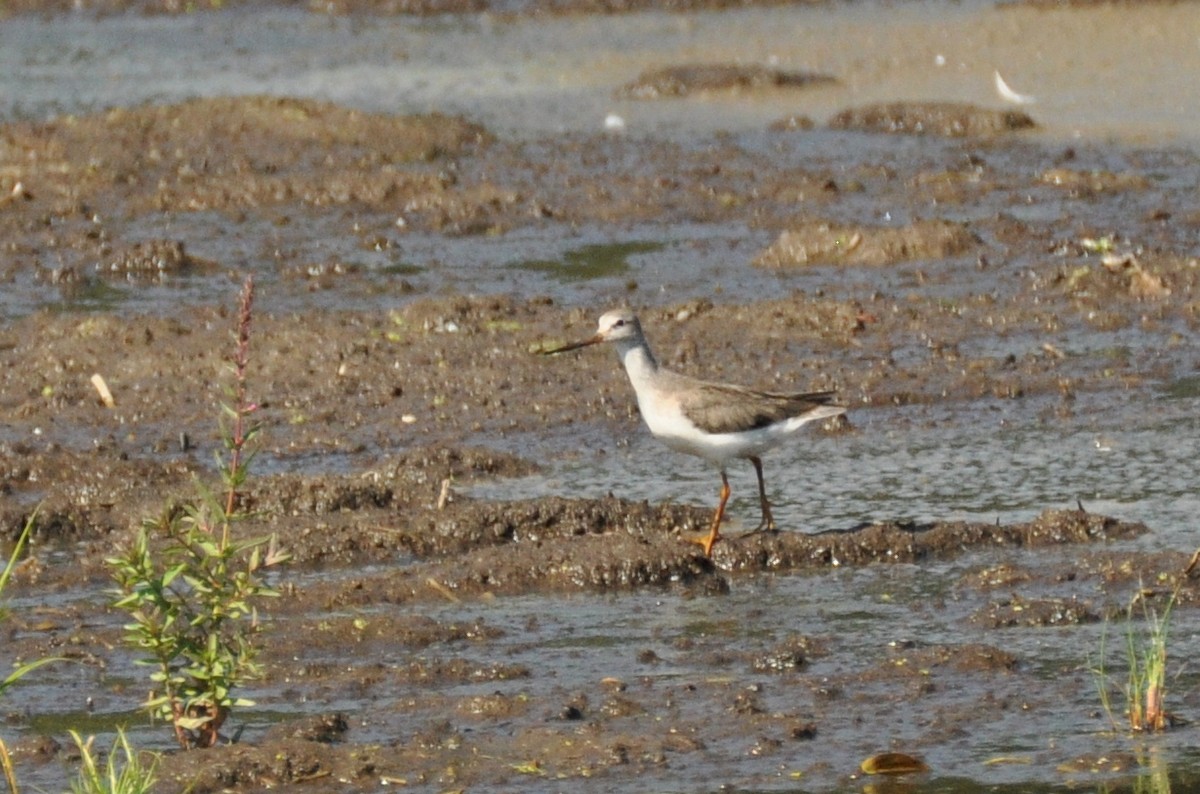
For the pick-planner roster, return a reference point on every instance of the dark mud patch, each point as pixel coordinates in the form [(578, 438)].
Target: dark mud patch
[(947, 119), (688, 79)]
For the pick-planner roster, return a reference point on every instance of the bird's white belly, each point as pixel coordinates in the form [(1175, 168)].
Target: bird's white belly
[(681, 435)]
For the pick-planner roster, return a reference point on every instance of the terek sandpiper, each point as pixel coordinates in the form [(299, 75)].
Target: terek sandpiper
[(715, 421)]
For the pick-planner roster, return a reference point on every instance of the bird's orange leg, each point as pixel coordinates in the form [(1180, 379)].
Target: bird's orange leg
[(707, 542), (768, 521)]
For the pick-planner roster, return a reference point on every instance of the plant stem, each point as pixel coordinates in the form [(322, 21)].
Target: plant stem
[(241, 409)]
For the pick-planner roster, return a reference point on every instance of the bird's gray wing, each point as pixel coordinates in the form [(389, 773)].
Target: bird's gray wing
[(724, 408)]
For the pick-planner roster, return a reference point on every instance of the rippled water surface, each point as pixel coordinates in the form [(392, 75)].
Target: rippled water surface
[(1103, 73)]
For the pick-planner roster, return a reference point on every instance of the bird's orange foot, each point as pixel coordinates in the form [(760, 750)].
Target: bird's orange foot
[(705, 541)]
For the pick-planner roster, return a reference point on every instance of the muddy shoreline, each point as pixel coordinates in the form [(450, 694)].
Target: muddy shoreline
[(971, 268)]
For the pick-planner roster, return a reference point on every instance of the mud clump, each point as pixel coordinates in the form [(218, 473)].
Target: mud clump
[(539, 520), (98, 492), (383, 7), (792, 654), (793, 123), (948, 119), (1082, 184), (680, 81), (413, 477), (272, 764), (239, 153), (483, 550), (1018, 611), (891, 542), (435, 464), (390, 7), (323, 728), (153, 261), (820, 243), (959, 658)]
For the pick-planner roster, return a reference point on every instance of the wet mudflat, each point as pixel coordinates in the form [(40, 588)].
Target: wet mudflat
[(490, 590)]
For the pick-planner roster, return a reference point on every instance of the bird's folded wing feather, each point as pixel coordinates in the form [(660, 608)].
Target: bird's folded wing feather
[(724, 408)]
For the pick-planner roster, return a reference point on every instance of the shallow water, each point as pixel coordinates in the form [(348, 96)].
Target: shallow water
[(984, 463), (676, 654), (1096, 72)]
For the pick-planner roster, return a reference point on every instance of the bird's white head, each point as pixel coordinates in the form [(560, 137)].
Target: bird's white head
[(619, 325)]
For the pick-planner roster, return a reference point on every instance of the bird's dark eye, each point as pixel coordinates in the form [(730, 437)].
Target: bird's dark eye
[(618, 323)]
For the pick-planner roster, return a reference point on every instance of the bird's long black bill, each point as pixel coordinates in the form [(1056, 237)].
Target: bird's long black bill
[(549, 351)]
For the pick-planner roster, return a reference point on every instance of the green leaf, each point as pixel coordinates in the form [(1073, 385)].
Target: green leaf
[(25, 669), (193, 723), (11, 565), (173, 573)]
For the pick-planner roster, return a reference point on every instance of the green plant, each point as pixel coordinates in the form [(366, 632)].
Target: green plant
[(1100, 676), (191, 589), (6, 765), (1145, 687), (21, 671), (127, 775), (1156, 772), (5, 575)]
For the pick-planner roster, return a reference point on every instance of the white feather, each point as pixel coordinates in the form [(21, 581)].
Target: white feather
[(1009, 95)]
